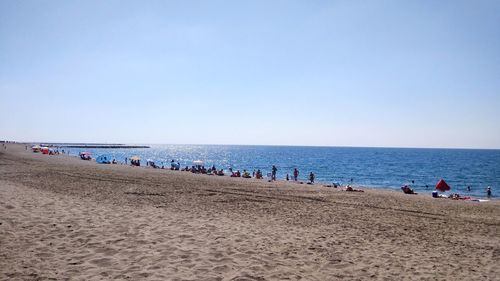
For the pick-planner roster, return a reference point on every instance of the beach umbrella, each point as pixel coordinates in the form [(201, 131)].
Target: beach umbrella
[(198, 162), (135, 158), (442, 186)]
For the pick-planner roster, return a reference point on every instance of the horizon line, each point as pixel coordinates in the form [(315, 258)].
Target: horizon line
[(283, 145)]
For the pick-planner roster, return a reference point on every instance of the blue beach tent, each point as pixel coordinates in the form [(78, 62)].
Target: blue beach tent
[(103, 159)]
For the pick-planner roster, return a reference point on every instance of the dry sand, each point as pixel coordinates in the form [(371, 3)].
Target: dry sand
[(66, 219)]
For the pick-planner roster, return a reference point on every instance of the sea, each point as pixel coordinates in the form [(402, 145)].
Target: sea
[(388, 168)]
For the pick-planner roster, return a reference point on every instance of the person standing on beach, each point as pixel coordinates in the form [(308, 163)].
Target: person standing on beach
[(488, 191), (126, 160), (311, 177), (295, 174), (273, 175)]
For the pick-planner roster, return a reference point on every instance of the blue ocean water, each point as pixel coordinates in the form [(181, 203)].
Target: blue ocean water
[(372, 167)]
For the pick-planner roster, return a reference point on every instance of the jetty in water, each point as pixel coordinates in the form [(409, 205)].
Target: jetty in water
[(97, 145)]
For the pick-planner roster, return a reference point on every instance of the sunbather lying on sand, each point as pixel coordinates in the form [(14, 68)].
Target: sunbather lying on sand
[(407, 190), (456, 196), (246, 174), (349, 188)]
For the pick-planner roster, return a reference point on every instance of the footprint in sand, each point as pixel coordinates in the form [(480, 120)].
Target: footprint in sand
[(106, 251), (103, 262), (44, 255), (221, 269), (248, 277)]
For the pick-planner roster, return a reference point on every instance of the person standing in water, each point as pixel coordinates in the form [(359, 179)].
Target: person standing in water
[(311, 177), (273, 174), (295, 174), (488, 191)]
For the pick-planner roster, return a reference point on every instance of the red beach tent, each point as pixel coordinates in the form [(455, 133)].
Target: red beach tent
[(442, 186)]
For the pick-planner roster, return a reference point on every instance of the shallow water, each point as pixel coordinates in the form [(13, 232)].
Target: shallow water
[(373, 167)]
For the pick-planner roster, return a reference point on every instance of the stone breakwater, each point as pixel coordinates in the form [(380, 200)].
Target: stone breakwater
[(97, 146)]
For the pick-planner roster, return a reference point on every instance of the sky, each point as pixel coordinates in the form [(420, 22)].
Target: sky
[(329, 73)]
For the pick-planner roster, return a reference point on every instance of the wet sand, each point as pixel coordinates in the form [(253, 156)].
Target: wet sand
[(67, 219)]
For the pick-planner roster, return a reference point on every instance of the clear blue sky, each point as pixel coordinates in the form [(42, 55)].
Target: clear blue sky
[(349, 73)]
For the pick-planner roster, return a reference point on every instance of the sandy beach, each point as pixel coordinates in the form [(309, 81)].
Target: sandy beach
[(62, 218)]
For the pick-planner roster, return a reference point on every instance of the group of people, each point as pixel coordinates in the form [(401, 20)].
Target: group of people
[(408, 190), (246, 175), (54, 152), (311, 177), (200, 169), (257, 174)]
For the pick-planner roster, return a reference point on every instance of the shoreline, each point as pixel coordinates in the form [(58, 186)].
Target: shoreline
[(67, 218), (427, 193), (468, 185)]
